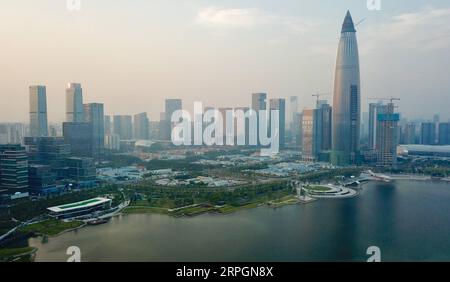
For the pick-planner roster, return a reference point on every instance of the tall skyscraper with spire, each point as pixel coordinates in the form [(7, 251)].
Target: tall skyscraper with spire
[(346, 98)]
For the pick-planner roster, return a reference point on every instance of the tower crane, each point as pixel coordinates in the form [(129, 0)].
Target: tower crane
[(318, 95), (392, 99)]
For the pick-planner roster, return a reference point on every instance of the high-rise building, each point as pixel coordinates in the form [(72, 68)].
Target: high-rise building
[(258, 104), (154, 130), (108, 128), (309, 151), (141, 127), (42, 180), (47, 150), (11, 133), (172, 105), (74, 103), (316, 127), (123, 126), (325, 116), (81, 172), (112, 142), (436, 118), (444, 133), (298, 129), (94, 114), (428, 133), (51, 151), (374, 110), (259, 101), (207, 109), (346, 98), (13, 168), (365, 128), (227, 121), (387, 138), (38, 111), (246, 132), (53, 131), (280, 106), (293, 110), (165, 130), (80, 137), (409, 133)]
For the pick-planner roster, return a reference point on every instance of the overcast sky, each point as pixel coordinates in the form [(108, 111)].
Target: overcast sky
[(132, 54)]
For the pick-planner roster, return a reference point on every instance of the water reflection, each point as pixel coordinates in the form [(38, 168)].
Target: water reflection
[(394, 216)]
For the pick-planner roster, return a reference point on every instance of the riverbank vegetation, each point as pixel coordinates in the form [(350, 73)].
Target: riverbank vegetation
[(172, 198), (423, 166), (16, 254), (146, 197), (50, 227), (24, 210)]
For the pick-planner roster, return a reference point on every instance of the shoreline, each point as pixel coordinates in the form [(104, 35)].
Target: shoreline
[(201, 209), (15, 254), (417, 177)]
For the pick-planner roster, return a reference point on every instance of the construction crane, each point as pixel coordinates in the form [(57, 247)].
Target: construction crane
[(392, 99), (318, 95), (360, 22)]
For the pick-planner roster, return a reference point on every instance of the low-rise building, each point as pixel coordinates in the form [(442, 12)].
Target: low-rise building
[(79, 209)]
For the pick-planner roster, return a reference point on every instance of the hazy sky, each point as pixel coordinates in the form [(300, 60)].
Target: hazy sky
[(132, 54)]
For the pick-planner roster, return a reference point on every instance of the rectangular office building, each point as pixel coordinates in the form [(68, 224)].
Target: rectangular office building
[(13, 168)]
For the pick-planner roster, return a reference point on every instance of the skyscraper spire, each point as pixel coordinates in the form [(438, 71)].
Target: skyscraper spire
[(348, 25)]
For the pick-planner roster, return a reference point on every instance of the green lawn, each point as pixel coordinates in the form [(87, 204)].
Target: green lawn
[(142, 210), (50, 227), (231, 209), (287, 200), (191, 211), (318, 188), (6, 225), (6, 254)]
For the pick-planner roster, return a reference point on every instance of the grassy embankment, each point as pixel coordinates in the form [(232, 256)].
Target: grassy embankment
[(143, 207), (287, 200), (189, 211), (16, 254), (50, 227)]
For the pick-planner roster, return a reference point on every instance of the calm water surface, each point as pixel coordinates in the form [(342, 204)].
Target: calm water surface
[(407, 220)]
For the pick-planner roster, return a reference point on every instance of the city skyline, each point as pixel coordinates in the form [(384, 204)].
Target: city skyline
[(299, 62), (319, 130)]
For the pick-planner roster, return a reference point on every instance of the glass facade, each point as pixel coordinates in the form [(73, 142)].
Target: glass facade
[(38, 111), (346, 98), (13, 167)]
